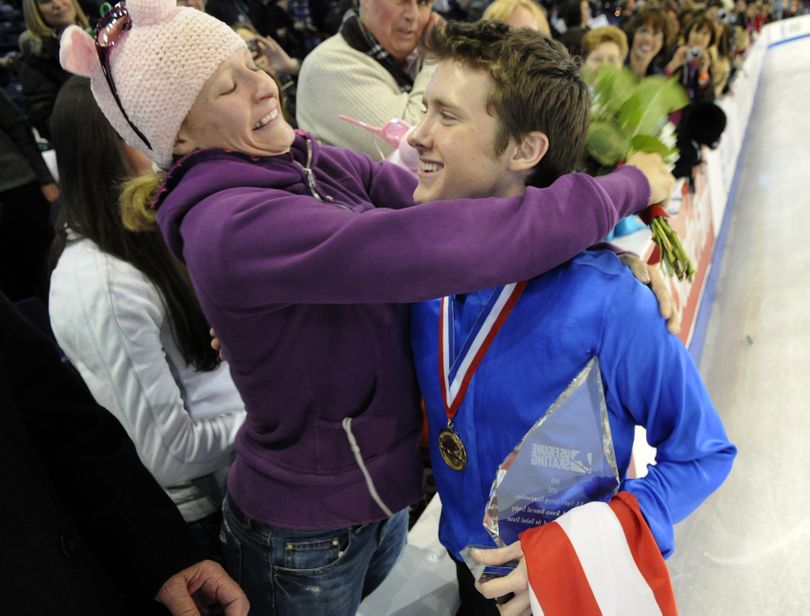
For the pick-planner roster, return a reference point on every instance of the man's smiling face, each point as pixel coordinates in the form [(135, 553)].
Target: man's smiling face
[(456, 139)]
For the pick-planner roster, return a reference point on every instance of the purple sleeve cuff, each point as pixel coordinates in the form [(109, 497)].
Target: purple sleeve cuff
[(628, 188)]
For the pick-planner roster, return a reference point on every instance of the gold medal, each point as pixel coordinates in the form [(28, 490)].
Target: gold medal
[(455, 376), (452, 449)]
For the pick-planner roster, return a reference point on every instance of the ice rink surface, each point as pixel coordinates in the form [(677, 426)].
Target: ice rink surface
[(746, 550)]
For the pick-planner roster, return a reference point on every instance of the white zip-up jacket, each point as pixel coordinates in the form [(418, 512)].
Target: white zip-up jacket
[(111, 322)]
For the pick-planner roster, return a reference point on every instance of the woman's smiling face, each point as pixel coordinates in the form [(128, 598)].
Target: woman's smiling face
[(238, 108)]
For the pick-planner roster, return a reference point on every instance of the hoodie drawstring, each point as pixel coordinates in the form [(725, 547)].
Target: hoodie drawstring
[(347, 428)]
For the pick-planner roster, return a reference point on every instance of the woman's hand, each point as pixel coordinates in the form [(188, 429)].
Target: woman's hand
[(661, 181), (50, 192), (678, 59), (216, 344), (516, 582), (704, 61)]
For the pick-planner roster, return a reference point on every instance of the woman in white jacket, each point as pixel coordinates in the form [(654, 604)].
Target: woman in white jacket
[(123, 311)]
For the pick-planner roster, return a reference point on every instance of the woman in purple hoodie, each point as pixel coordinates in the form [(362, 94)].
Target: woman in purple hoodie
[(304, 258)]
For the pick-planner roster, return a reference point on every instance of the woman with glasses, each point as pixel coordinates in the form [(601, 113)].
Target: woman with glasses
[(649, 33), (124, 313), (304, 258), (40, 72)]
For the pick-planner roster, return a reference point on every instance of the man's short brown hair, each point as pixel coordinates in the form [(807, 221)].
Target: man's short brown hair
[(538, 87)]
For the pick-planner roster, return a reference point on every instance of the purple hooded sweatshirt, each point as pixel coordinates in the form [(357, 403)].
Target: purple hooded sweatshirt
[(303, 264)]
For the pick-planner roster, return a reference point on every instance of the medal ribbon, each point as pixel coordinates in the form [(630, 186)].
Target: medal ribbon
[(454, 386)]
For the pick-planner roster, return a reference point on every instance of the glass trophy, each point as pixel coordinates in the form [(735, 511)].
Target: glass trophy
[(565, 460)]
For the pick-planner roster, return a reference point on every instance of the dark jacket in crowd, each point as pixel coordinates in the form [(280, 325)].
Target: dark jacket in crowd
[(25, 228), (42, 77), (84, 528), (20, 159)]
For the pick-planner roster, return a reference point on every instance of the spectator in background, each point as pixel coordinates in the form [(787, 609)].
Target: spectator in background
[(713, 9), (40, 72), (27, 189), (740, 14), (758, 15), (575, 14), (519, 14), (648, 33), (627, 8), (91, 8), (85, 530), (670, 9), (297, 25), (232, 12), (370, 71), (8, 66), (692, 63), (123, 311), (604, 45), (720, 54), (267, 53), (686, 15)]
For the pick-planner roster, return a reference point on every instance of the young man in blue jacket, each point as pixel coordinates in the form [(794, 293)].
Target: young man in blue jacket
[(507, 109)]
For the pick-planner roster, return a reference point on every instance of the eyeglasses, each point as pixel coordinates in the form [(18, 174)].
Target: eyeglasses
[(110, 27)]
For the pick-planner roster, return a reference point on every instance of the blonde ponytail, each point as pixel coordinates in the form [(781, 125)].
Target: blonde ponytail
[(136, 196)]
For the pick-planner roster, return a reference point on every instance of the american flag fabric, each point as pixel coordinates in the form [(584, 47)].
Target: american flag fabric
[(597, 559)]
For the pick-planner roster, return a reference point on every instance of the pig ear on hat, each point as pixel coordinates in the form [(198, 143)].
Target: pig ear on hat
[(77, 52)]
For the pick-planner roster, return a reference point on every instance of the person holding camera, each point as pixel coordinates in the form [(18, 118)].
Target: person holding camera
[(692, 61)]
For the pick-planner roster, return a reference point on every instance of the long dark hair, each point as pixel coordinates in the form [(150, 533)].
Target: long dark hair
[(92, 167)]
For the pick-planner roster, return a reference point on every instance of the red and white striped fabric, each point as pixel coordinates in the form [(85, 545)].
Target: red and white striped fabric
[(597, 559)]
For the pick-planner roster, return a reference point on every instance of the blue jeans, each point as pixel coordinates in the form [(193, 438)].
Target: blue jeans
[(285, 571)]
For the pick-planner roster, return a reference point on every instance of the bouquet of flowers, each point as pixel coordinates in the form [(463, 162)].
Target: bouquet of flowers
[(630, 116)]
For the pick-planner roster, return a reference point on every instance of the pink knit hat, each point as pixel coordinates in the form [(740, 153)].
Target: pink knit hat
[(159, 67)]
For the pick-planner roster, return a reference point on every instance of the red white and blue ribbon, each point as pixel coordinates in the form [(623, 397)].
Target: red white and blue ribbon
[(455, 373)]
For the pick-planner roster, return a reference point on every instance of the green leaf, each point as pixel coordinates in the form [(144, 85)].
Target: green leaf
[(648, 107), (606, 143), (648, 143), (610, 86)]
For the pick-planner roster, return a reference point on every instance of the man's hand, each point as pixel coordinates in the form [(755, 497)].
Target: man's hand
[(651, 276), (662, 182), (203, 589), (516, 582), (434, 21), (275, 56), (216, 344), (50, 192)]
